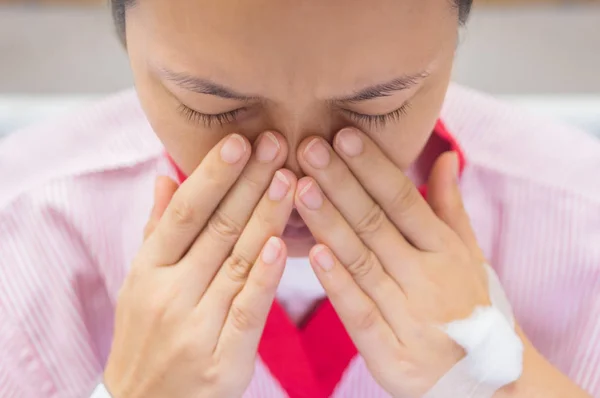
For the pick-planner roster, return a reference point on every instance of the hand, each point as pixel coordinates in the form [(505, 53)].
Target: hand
[(192, 309), (394, 266)]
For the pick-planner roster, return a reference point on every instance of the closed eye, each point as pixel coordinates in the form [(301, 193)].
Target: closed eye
[(378, 121), (368, 121), (208, 120)]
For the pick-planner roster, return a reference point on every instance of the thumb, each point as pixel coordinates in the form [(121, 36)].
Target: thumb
[(164, 189), (444, 197)]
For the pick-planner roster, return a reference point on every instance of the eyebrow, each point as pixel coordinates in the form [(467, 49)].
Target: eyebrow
[(205, 86), (385, 89)]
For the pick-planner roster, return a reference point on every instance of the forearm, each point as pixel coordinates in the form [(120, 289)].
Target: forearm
[(540, 379)]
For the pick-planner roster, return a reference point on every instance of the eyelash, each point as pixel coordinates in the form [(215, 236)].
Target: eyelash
[(377, 121), (206, 119)]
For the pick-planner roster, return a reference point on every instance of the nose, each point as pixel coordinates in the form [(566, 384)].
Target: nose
[(295, 135), (292, 162)]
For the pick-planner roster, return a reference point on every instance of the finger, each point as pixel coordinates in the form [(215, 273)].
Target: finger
[(164, 189), (247, 316), (225, 227), (347, 194), (329, 228), (362, 213), (445, 199), (393, 190), (269, 219), (196, 199), (361, 317)]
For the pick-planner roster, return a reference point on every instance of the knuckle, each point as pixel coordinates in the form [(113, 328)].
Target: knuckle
[(264, 216), (213, 176), (366, 318), (212, 376), (363, 265), (156, 308), (404, 198), (266, 219), (251, 182), (183, 213), (163, 306), (405, 364), (371, 222), (264, 282), (223, 227), (188, 350), (238, 267), (243, 319)]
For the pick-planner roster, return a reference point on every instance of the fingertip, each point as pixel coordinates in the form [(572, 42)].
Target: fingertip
[(273, 250), (157, 185), (303, 182), (316, 249), (446, 167), (301, 150), (454, 165), (283, 186), (443, 180), (164, 186), (321, 256), (302, 186), (164, 189), (280, 141), (283, 253), (234, 148), (289, 176)]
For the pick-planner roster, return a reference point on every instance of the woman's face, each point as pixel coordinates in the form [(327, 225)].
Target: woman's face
[(301, 68)]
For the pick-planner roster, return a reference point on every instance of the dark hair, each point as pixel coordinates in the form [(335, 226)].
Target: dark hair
[(119, 7)]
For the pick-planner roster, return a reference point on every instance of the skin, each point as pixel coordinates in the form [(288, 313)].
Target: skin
[(292, 71), (393, 264)]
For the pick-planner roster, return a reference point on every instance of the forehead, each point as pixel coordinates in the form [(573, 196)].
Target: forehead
[(282, 40)]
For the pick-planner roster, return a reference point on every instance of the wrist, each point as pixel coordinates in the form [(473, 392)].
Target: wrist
[(540, 379), (112, 385)]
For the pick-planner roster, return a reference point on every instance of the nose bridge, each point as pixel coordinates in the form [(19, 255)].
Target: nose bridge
[(297, 128)]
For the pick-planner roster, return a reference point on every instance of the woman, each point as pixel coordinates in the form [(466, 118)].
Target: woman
[(292, 140)]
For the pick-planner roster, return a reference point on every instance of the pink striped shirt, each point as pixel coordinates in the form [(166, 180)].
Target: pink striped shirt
[(76, 194)]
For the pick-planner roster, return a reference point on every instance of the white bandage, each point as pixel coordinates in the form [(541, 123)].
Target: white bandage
[(494, 351)]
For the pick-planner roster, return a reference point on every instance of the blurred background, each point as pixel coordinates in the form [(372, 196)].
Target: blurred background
[(542, 54)]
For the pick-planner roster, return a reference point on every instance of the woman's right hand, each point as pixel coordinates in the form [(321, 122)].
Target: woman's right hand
[(191, 312)]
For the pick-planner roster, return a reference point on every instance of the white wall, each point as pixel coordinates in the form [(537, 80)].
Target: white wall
[(509, 51)]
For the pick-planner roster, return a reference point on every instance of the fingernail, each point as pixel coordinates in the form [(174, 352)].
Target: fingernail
[(311, 196), (323, 258), (349, 142), (279, 187), (317, 154), (271, 251), (233, 149), (268, 148)]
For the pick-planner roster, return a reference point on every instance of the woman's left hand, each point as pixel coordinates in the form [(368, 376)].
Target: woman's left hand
[(394, 265)]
